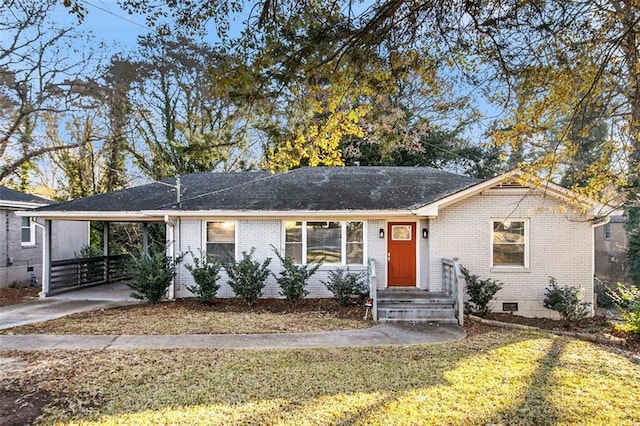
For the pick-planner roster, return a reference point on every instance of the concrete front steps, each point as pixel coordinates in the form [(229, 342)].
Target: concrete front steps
[(414, 305)]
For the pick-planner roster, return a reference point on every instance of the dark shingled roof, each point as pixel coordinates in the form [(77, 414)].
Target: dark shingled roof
[(305, 189), (338, 188), (156, 195), (7, 194)]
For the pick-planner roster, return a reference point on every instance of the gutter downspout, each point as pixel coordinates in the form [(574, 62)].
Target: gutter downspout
[(170, 240)]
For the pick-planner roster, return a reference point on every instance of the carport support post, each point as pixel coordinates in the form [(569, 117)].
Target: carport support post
[(170, 252), (46, 258), (105, 249)]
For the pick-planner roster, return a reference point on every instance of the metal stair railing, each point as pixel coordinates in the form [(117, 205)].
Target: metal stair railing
[(453, 285), (373, 292)]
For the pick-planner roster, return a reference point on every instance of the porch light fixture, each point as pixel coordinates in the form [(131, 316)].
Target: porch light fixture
[(381, 233), (425, 233)]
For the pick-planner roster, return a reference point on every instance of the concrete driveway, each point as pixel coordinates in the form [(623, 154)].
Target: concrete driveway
[(87, 299)]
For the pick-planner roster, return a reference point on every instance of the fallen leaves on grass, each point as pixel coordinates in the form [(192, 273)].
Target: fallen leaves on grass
[(226, 316), (495, 377), (15, 295)]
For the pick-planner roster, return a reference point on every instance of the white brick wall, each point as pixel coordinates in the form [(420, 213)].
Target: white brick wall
[(259, 234), (190, 239), (377, 250), (424, 254), (560, 245)]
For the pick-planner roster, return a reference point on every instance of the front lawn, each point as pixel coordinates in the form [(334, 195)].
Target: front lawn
[(493, 377), (225, 316)]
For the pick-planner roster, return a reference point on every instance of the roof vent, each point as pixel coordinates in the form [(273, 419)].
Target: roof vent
[(511, 184)]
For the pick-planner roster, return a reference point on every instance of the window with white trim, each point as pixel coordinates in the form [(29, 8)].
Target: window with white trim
[(607, 232), (28, 231), (355, 243), (329, 242), (510, 243), (220, 239), (293, 244)]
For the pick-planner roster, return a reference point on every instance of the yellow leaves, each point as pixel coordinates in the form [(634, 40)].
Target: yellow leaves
[(316, 141), (553, 133)]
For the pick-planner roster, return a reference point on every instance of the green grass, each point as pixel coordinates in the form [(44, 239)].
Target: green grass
[(500, 377)]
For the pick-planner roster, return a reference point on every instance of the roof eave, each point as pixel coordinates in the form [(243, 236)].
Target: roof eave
[(158, 215), (20, 204), (432, 209), (91, 215), (590, 207), (279, 213)]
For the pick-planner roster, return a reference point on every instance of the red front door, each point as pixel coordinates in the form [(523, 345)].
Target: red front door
[(401, 257)]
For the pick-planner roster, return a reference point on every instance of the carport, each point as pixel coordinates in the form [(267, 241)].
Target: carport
[(153, 203), (63, 275), (125, 206)]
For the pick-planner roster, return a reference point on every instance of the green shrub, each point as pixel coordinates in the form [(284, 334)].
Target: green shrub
[(602, 291), (89, 251), (152, 276), (627, 300), (346, 285), (567, 301), (247, 277), (205, 273), (481, 292), (293, 278)]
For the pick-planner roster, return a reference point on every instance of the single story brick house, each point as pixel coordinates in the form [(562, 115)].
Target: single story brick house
[(400, 224), (21, 239)]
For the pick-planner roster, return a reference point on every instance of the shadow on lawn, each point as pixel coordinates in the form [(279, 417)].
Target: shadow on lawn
[(535, 408), (333, 386)]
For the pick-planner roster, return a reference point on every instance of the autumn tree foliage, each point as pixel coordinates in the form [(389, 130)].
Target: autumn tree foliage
[(551, 67), (558, 71)]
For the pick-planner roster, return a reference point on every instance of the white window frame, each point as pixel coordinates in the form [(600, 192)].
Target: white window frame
[(526, 243), (343, 240), (235, 236), (32, 232), (606, 231)]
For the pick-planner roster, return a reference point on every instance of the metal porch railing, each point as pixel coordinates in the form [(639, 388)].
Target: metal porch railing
[(74, 273), (373, 292), (453, 285)]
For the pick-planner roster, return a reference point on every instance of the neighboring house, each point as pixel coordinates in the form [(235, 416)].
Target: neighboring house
[(401, 222), (611, 250), (21, 239)]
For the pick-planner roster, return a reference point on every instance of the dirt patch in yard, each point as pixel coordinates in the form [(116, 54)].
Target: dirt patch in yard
[(15, 295), (20, 403), (20, 407)]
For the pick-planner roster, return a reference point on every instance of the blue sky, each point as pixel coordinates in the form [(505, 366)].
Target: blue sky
[(108, 23)]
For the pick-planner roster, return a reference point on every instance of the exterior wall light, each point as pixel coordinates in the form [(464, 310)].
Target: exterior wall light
[(381, 233), (425, 233)]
